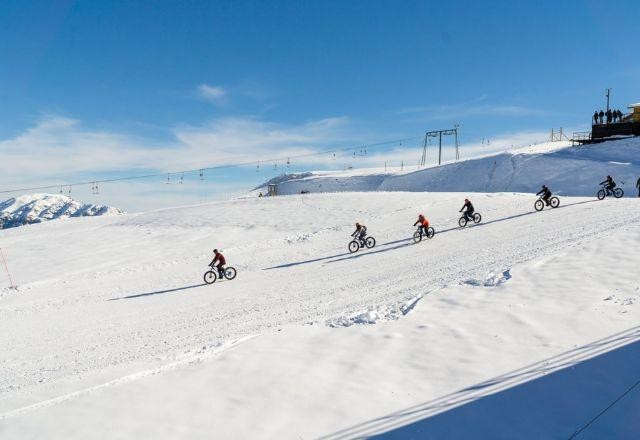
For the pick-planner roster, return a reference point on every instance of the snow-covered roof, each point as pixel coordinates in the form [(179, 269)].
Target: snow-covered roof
[(634, 105)]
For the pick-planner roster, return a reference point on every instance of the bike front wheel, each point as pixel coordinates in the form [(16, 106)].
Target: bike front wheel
[(601, 194), (539, 205), (371, 242), (554, 202), (210, 277), (230, 273), (462, 222), (354, 246), (417, 236), (617, 193)]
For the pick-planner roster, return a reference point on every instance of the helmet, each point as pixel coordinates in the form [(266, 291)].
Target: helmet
[(357, 225), (466, 200), (608, 177), (215, 251)]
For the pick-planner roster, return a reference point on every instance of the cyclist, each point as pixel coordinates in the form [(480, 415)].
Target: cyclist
[(361, 231), (545, 193), (609, 184), (468, 214), (424, 224), (218, 258)]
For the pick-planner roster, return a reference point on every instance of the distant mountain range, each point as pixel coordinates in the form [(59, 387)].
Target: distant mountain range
[(38, 208)]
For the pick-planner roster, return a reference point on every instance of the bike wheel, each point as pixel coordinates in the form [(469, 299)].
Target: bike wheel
[(539, 205), (462, 222), (477, 218), (430, 232), (371, 242), (601, 194), (417, 236), (230, 273), (617, 193), (354, 246), (210, 277), (554, 202)]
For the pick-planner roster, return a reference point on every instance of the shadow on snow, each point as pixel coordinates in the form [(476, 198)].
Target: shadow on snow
[(553, 398), (158, 292)]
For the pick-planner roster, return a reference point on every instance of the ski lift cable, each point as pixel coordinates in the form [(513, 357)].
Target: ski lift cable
[(210, 168)]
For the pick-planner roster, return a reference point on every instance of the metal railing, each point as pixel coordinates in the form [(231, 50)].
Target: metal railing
[(580, 137)]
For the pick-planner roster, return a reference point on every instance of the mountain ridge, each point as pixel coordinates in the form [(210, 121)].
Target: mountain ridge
[(37, 208)]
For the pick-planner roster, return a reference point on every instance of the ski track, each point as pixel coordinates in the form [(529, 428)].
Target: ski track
[(185, 360), (86, 333)]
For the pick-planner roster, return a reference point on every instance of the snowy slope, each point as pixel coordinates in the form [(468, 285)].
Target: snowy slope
[(112, 327), (37, 208), (574, 171)]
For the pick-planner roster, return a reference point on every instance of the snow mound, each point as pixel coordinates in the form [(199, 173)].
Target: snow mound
[(375, 315), (567, 170), (492, 280), (37, 208)]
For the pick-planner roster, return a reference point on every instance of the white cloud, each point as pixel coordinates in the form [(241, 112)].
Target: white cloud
[(59, 147), (215, 94), (410, 153)]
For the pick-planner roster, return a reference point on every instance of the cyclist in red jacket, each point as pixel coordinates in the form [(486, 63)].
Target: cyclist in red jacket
[(423, 222), (218, 258)]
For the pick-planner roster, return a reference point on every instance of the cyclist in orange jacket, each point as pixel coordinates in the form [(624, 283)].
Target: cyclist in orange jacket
[(424, 224)]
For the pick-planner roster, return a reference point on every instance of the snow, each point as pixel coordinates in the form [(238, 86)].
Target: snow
[(567, 170), (36, 208), (111, 326), (525, 325)]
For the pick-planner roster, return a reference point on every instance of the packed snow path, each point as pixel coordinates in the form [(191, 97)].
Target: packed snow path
[(106, 297)]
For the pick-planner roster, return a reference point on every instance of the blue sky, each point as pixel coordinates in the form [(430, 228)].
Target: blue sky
[(164, 84)]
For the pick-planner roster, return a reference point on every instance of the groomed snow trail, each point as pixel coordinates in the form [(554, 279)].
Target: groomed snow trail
[(104, 298)]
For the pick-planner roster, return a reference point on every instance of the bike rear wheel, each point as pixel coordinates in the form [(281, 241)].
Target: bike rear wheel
[(462, 222), (430, 232), (417, 236), (354, 246), (554, 202), (618, 192), (371, 242), (210, 277), (230, 273), (477, 218), (601, 194), (539, 205)]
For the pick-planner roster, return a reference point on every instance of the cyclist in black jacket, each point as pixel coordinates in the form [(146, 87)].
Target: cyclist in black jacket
[(609, 184), (545, 193), (468, 214), (361, 231)]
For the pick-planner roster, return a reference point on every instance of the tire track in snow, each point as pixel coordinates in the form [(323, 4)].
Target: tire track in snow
[(186, 360)]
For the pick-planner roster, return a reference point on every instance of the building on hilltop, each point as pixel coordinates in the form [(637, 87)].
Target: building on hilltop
[(625, 126)]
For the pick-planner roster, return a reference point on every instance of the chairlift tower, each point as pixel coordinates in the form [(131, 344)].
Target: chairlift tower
[(438, 134)]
